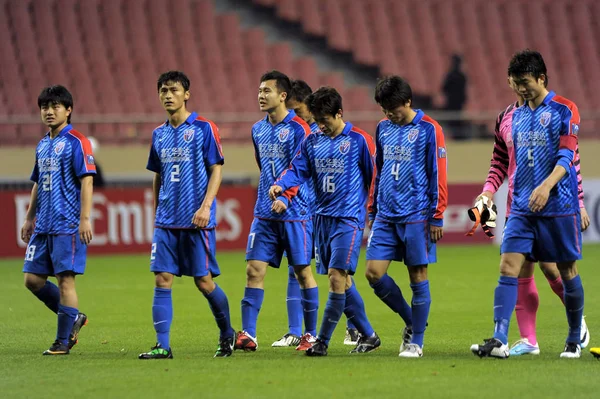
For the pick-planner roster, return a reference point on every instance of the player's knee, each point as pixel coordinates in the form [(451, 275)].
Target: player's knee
[(205, 284), (163, 280), (34, 283), (255, 272), (527, 270), (303, 274), (550, 270), (337, 280), (568, 270), (372, 275)]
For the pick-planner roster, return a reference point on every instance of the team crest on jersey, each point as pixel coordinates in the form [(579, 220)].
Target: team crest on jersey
[(284, 134), (412, 135), (441, 152), (575, 128), (344, 146), (89, 159), (188, 135), (545, 118), (59, 148)]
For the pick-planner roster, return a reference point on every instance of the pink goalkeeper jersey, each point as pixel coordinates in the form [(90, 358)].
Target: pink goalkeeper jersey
[(503, 162)]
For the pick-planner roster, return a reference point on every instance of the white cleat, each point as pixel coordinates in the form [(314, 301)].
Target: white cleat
[(351, 337), (411, 350), (492, 347), (407, 334), (585, 334), (287, 340), (523, 347), (571, 351)]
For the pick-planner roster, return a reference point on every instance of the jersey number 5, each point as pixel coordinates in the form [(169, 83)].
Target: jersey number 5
[(530, 157)]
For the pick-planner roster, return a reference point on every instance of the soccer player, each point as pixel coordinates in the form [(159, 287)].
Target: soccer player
[(57, 226), (407, 206), (275, 139), (296, 101), (502, 166), (339, 161), (545, 218), (187, 159)]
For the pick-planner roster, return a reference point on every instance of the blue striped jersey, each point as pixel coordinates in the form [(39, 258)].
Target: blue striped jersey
[(341, 169), (274, 147), (410, 179), (59, 164), (542, 139), (183, 157)]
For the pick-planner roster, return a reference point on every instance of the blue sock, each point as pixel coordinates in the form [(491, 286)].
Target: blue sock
[(505, 300), (333, 312), (310, 306), (50, 295), (350, 325), (294, 304), (355, 311), (220, 307), (162, 315), (66, 318), (421, 302), (388, 291), (574, 307), (251, 304)]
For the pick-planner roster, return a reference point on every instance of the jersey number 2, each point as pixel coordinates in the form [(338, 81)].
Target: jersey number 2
[(175, 173)]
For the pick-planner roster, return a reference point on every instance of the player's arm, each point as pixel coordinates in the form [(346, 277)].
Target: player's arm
[(374, 189), (438, 186), (585, 218), (155, 190), (256, 152), (566, 156), (85, 225), (213, 160), (498, 164), (154, 165), (28, 225), (286, 187)]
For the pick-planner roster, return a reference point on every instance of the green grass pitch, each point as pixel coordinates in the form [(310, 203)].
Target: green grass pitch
[(116, 293)]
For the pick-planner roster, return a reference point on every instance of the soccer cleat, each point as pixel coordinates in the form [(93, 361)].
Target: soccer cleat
[(225, 348), (79, 322), (351, 337), (411, 350), (57, 348), (287, 340), (492, 347), (523, 347), (319, 348), (245, 342), (306, 342), (571, 351), (595, 352), (367, 344), (156, 352), (585, 334), (407, 334)]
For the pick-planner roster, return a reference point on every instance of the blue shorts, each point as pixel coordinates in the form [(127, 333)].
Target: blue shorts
[(408, 242), (50, 255), (269, 239), (546, 239), (337, 244), (184, 252)]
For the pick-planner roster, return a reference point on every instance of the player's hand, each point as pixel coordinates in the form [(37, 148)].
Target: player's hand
[(539, 198), (585, 219), (488, 195), (85, 231), (27, 231), (436, 233), (278, 206), (201, 217), (274, 192)]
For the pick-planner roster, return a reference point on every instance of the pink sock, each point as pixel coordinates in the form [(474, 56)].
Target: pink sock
[(557, 287), (527, 306)]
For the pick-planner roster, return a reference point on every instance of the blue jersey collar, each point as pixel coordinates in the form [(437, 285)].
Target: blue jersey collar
[(291, 115), (549, 97), (63, 131), (420, 114), (347, 129), (190, 120)]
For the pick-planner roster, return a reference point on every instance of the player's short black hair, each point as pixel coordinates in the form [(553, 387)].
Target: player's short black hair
[(282, 82), (300, 90), (56, 94), (325, 101), (174, 77), (527, 62), (392, 92)]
